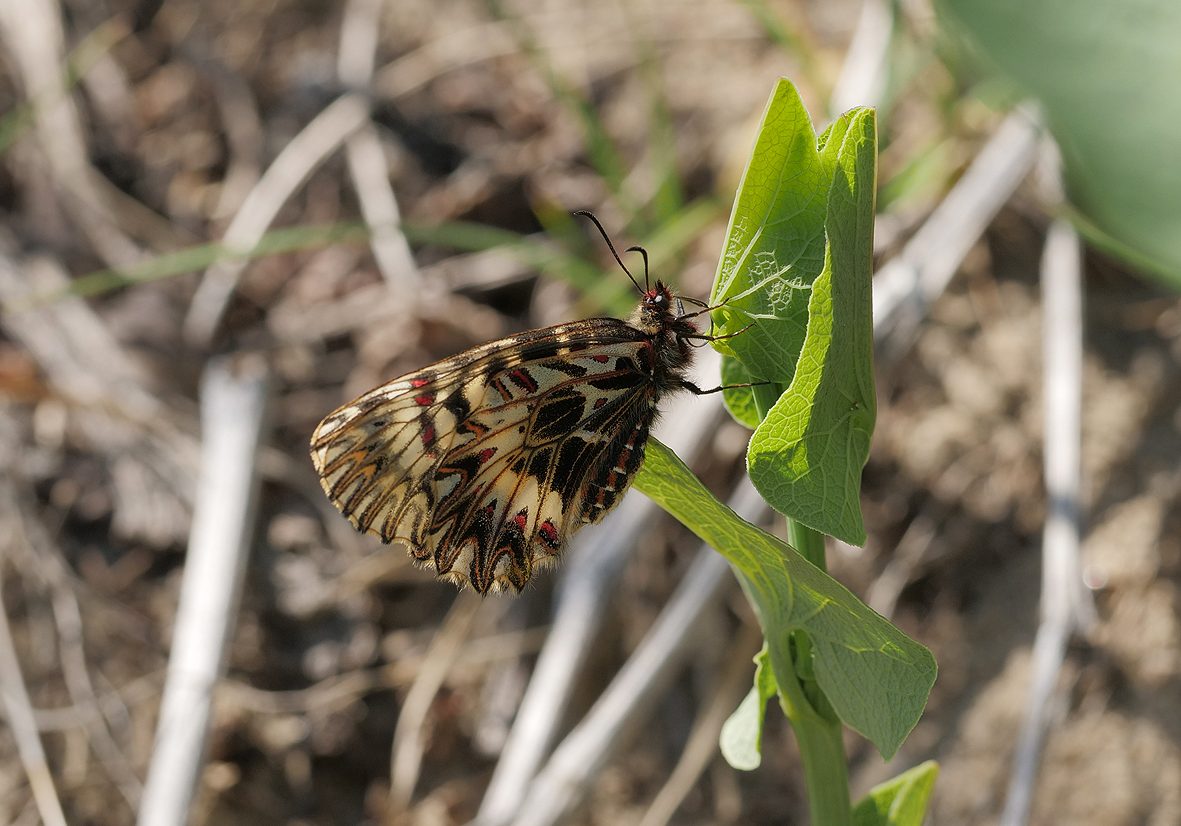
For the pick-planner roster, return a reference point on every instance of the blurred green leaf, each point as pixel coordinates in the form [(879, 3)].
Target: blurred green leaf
[(901, 801), (195, 258), (740, 401), (741, 740), (1106, 75)]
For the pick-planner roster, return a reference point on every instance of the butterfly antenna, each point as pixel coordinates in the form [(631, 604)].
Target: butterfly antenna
[(610, 246), (643, 252)]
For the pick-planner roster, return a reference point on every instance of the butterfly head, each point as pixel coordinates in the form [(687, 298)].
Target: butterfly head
[(662, 313)]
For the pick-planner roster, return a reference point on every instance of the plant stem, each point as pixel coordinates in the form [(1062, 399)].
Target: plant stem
[(822, 751), (808, 542), (817, 728)]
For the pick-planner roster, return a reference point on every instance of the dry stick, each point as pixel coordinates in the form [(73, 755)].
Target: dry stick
[(76, 675), (456, 49), (233, 403), (142, 689), (703, 739), (290, 169), (1066, 606), (18, 708), (241, 125), (588, 584), (45, 556), (366, 160), (863, 74), (36, 41), (409, 740), (906, 286), (561, 785)]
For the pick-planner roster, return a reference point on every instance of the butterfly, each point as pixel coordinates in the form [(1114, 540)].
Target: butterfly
[(485, 463)]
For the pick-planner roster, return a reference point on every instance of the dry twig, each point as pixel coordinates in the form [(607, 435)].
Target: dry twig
[(18, 708), (35, 38), (366, 160), (1066, 606), (409, 741), (904, 288), (233, 404), (306, 151)]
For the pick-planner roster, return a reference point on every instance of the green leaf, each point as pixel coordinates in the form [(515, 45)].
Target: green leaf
[(1105, 74), (876, 678), (774, 245), (806, 455), (795, 270), (740, 401), (901, 801), (741, 741)]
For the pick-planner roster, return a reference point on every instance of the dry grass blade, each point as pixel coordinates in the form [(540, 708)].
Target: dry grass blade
[(285, 175), (36, 40), (905, 286), (151, 454), (40, 553), (233, 405), (366, 160), (1066, 606), (18, 708), (409, 740), (561, 785), (864, 72), (702, 745)]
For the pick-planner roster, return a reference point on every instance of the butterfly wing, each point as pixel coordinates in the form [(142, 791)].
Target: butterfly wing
[(486, 462)]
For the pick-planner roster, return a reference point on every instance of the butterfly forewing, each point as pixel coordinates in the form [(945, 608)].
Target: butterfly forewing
[(484, 463)]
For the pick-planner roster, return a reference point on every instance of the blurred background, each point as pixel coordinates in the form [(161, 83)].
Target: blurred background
[(404, 173)]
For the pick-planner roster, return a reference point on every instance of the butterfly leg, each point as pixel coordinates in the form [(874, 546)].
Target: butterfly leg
[(697, 391)]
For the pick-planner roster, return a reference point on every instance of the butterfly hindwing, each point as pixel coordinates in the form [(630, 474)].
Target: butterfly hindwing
[(484, 463)]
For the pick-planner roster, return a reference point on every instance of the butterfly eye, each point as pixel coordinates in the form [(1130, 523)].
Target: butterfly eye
[(658, 299)]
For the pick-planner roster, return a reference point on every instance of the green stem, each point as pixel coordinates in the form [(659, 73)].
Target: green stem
[(822, 750), (808, 542), (817, 728), (815, 723)]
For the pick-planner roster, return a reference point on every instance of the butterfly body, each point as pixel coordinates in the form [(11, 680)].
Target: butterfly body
[(486, 462)]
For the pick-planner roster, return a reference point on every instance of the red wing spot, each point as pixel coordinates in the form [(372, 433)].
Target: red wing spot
[(602, 358), (428, 435), (419, 382), (599, 402), (523, 380), (473, 427), (425, 400), (549, 533), (521, 519), (485, 454)]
